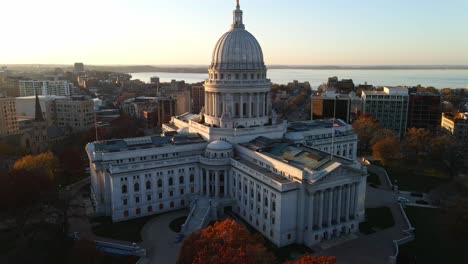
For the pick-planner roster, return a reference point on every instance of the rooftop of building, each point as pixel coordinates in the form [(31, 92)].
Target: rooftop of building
[(299, 156), (398, 90), (117, 145), (457, 117), (316, 124)]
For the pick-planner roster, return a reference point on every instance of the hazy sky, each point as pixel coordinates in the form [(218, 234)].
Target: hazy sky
[(331, 32)]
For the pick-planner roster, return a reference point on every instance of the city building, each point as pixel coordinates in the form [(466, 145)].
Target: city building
[(78, 67), (8, 123), (330, 105), (424, 110), (389, 106), (155, 111), (456, 125), (30, 88), (343, 86), (236, 155), (75, 112), (38, 136), (198, 97)]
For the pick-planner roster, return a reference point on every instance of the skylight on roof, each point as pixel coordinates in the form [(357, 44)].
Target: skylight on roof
[(138, 141)]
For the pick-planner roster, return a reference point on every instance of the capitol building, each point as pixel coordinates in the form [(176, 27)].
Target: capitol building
[(293, 182)]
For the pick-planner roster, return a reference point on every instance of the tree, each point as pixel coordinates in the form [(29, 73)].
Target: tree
[(381, 134), (386, 150), (416, 141), (43, 164), (225, 242), (83, 251), (365, 127), (307, 259)]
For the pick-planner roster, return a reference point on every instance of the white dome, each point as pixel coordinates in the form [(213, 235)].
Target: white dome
[(219, 145), (237, 49)]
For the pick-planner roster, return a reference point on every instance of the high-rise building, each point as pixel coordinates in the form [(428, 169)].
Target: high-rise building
[(236, 154), (78, 67), (8, 123), (30, 88), (75, 112), (389, 106), (198, 97), (424, 110), (331, 105)]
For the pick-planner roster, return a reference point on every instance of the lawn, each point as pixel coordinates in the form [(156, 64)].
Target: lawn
[(434, 242), (422, 176), (377, 219)]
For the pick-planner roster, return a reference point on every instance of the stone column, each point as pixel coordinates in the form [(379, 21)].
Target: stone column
[(348, 204), (355, 209), (217, 184), (241, 105), (258, 105), (208, 183), (320, 219), (250, 105), (265, 104), (330, 206), (338, 214), (311, 213)]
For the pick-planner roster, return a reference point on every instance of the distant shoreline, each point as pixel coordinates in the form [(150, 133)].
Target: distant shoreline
[(203, 68)]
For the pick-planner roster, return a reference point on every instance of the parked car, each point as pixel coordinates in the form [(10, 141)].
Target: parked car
[(416, 194), (421, 202), (403, 200), (179, 238)]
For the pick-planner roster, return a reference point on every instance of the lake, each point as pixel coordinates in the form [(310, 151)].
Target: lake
[(437, 78)]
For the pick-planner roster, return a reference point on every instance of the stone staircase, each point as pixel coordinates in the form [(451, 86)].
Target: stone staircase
[(199, 217)]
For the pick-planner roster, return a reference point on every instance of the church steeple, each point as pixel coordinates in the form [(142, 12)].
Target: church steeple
[(237, 20), (38, 116)]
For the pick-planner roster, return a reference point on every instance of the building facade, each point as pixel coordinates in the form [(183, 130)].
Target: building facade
[(75, 112), (30, 88), (424, 110), (389, 106), (238, 155), (8, 123), (456, 125)]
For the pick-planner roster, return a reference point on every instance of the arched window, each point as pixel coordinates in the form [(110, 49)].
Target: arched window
[(273, 206), (136, 187), (159, 183), (148, 185), (171, 182), (237, 111), (266, 201), (192, 178), (181, 180), (124, 188)]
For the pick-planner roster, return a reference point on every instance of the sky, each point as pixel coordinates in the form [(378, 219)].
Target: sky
[(293, 32)]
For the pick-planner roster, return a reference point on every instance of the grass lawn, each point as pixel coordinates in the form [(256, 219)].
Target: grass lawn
[(373, 179), (434, 240), (126, 231), (422, 176), (377, 219)]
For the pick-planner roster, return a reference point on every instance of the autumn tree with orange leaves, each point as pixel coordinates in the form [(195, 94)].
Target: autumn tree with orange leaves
[(225, 242), (307, 259)]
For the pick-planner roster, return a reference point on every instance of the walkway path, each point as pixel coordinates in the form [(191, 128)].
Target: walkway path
[(158, 238)]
